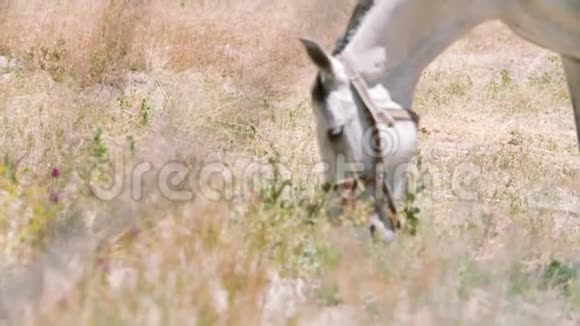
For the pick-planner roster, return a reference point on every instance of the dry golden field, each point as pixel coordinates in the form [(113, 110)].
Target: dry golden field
[(200, 111)]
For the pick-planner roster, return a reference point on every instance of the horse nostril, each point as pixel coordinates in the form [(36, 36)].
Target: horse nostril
[(334, 133)]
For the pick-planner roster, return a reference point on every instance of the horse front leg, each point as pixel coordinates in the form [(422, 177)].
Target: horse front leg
[(572, 70)]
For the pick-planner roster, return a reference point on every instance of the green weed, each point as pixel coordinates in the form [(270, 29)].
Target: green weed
[(145, 112)]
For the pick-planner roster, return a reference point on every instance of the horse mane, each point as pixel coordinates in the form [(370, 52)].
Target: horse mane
[(318, 91), (359, 13)]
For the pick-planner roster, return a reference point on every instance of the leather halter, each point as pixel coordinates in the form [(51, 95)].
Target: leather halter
[(377, 116), (388, 116)]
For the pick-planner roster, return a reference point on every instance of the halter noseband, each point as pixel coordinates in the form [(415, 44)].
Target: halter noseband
[(377, 116)]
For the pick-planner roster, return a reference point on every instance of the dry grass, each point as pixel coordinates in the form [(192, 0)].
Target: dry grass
[(225, 86)]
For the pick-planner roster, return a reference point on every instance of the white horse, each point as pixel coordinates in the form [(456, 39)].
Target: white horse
[(386, 53), (364, 138)]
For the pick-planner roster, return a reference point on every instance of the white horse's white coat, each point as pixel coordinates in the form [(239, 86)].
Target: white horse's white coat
[(412, 33), (394, 44), (345, 135)]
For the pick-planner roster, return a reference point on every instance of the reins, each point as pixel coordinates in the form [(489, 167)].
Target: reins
[(377, 116)]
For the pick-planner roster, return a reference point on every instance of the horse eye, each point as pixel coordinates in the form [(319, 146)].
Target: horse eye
[(319, 92), (334, 134)]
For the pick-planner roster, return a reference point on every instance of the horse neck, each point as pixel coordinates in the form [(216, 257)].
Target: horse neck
[(399, 38)]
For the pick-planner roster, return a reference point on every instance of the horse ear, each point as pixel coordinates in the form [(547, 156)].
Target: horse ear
[(318, 56)]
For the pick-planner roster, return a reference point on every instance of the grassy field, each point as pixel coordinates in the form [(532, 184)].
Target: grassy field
[(157, 160)]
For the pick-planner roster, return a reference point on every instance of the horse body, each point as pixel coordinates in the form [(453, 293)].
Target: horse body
[(552, 24), (410, 34)]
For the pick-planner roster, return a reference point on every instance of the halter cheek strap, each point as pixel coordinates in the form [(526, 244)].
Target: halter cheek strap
[(387, 116)]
